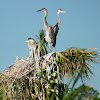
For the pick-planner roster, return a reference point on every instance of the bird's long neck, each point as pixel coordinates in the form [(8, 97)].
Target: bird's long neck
[(58, 22), (44, 20)]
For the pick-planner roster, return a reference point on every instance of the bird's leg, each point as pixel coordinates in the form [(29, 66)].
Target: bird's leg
[(54, 49), (50, 45), (50, 50)]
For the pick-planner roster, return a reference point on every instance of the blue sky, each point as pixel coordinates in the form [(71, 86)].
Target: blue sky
[(80, 27)]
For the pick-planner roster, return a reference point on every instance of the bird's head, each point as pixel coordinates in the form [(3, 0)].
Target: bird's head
[(61, 11), (30, 40), (42, 10)]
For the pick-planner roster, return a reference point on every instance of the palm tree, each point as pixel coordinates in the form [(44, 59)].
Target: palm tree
[(42, 78)]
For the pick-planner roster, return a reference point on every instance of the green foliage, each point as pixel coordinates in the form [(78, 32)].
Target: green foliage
[(42, 37), (77, 59), (41, 43), (2, 94), (83, 93)]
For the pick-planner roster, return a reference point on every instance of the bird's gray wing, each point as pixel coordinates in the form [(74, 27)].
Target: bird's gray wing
[(55, 29)]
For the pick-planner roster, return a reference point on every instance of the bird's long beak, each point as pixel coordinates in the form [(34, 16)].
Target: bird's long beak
[(65, 12), (26, 41), (38, 10)]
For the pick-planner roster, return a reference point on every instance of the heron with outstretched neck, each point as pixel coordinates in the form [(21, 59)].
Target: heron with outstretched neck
[(51, 32), (56, 27)]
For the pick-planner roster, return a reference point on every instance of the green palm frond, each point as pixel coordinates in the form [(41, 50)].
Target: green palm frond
[(41, 37), (42, 43), (77, 59)]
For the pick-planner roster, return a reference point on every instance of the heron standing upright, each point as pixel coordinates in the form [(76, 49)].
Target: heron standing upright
[(49, 35), (51, 32), (56, 27), (31, 43)]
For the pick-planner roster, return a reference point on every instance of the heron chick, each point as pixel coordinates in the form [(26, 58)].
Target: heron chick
[(31, 43)]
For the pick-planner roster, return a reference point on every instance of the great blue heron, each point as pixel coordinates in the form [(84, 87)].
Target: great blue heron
[(56, 27), (51, 32), (31, 43)]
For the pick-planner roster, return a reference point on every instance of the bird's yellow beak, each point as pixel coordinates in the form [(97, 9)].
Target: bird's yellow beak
[(26, 41), (65, 12)]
